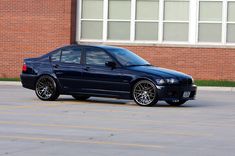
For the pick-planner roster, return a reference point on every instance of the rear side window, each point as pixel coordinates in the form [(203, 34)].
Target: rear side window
[(96, 57), (55, 57), (71, 56)]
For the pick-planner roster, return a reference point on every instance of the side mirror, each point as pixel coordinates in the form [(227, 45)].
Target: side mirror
[(110, 64)]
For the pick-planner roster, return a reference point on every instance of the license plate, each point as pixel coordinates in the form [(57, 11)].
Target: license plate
[(186, 94)]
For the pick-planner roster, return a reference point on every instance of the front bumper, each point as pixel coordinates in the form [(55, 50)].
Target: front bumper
[(176, 92)]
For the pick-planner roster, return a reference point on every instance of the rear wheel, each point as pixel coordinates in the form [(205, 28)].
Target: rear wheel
[(144, 93), (46, 88), (175, 102), (80, 97)]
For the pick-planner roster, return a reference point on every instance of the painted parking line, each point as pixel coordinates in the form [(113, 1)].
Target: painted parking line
[(25, 124), (50, 139), (94, 117), (67, 106), (119, 119), (8, 107)]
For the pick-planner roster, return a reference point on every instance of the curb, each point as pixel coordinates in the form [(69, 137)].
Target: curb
[(10, 83), (224, 89)]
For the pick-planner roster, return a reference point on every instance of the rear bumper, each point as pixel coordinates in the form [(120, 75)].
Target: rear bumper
[(28, 81), (176, 92)]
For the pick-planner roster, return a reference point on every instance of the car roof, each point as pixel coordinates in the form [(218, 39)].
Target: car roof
[(93, 46)]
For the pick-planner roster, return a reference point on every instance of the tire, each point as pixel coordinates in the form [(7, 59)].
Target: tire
[(176, 103), (81, 97), (46, 88), (145, 93)]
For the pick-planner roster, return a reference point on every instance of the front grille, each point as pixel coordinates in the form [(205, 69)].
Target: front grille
[(192, 94), (186, 81)]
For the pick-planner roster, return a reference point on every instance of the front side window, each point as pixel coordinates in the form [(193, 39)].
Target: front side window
[(127, 58), (71, 56), (96, 57), (55, 57)]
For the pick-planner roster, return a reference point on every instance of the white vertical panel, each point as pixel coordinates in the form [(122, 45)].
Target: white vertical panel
[(78, 22), (224, 22), (192, 21), (132, 26), (105, 20), (160, 26)]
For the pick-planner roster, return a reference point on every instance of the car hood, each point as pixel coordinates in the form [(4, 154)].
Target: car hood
[(162, 72)]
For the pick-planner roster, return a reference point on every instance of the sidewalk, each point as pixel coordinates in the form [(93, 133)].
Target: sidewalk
[(225, 89)]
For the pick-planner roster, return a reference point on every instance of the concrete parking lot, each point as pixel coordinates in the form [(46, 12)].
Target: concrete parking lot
[(100, 126)]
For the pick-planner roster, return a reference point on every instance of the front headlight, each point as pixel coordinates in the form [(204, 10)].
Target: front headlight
[(172, 81), (160, 81), (192, 80)]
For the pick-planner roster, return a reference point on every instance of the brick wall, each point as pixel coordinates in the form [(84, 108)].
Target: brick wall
[(201, 63), (29, 28)]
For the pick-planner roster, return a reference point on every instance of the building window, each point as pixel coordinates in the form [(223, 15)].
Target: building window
[(210, 21), (92, 19), (146, 21), (231, 22), (157, 21), (119, 16), (176, 19)]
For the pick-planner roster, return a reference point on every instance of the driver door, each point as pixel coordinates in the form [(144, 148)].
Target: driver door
[(99, 78)]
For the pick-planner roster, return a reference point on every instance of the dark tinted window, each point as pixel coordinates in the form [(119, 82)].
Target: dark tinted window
[(97, 57), (55, 56), (127, 58), (71, 56)]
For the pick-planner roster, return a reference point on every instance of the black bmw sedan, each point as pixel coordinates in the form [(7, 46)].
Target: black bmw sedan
[(106, 71)]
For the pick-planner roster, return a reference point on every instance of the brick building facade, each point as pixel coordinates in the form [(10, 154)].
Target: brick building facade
[(29, 28)]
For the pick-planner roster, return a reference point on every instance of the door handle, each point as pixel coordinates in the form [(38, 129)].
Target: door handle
[(86, 68), (59, 73), (55, 65)]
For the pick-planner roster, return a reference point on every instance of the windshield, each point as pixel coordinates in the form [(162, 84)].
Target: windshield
[(128, 58)]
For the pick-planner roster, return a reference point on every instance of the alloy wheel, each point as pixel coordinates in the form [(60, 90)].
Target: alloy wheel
[(144, 93), (46, 88)]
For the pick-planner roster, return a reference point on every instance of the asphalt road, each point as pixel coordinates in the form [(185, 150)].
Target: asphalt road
[(111, 127)]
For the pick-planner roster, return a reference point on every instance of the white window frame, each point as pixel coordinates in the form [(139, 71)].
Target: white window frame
[(193, 25), (79, 23), (212, 22), (175, 21), (226, 22), (134, 20)]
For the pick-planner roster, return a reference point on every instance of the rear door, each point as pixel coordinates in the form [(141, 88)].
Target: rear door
[(69, 69)]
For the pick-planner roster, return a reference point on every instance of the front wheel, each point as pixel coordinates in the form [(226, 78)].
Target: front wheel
[(175, 102), (145, 93), (46, 89)]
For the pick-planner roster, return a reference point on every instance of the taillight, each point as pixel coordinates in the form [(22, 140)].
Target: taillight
[(24, 68)]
